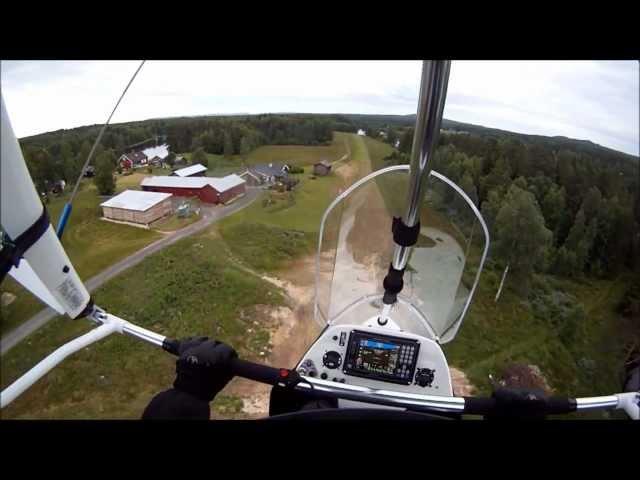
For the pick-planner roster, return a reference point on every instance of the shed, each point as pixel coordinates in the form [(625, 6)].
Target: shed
[(139, 207), (197, 170), (321, 168)]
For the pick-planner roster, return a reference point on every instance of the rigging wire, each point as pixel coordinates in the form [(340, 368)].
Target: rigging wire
[(67, 208)]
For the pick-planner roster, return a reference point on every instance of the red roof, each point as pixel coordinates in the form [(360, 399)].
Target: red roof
[(136, 157)]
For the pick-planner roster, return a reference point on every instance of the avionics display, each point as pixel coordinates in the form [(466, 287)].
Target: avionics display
[(381, 357)]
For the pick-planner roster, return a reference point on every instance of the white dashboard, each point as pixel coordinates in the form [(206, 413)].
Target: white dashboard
[(379, 358)]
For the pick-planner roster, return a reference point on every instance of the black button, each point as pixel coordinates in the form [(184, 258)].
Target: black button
[(342, 380), (312, 373), (324, 375), (334, 379), (335, 337)]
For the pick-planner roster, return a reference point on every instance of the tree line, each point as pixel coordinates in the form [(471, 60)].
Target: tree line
[(60, 155), (548, 210)]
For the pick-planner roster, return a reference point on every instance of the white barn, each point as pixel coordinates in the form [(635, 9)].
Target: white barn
[(135, 206)]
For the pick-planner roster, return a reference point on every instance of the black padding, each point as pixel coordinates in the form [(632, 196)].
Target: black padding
[(561, 405), (14, 250), (393, 282), (518, 404), (402, 234)]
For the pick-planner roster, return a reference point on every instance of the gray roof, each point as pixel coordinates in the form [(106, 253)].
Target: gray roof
[(268, 169), (136, 200), (192, 170)]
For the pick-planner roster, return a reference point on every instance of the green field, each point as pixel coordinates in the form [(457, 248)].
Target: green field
[(186, 289), (300, 155), (92, 245), (190, 288), (266, 236)]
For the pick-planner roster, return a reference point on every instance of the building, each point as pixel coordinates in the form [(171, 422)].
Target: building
[(160, 151), (132, 160), (197, 170), (321, 168), (361, 132), (208, 190), (252, 179), (266, 174), (134, 206)]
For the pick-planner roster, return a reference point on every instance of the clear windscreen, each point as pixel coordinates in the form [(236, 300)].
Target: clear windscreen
[(356, 248)]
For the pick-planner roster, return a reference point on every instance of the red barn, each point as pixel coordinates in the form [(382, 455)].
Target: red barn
[(208, 190)]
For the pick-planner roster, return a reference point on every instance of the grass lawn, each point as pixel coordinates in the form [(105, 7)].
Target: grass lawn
[(302, 155), (92, 245), (293, 218), (189, 288), (173, 222), (494, 335)]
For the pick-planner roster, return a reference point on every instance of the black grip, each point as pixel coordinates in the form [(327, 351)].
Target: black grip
[(170, 345), (240, 368), (255, 371), (489, 406)]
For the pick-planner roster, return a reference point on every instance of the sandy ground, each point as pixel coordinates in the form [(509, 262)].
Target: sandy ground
[(294, 331)]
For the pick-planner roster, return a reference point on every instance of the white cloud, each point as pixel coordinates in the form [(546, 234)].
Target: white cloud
[(587, 100)]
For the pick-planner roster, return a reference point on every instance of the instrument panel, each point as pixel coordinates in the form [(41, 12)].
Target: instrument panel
[(379, 358)]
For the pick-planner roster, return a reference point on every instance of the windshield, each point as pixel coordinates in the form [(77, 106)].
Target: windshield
[(356, 248)]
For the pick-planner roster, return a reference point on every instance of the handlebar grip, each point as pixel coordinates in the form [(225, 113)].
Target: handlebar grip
[(239, 367), (170, 345), (547, 406), (255, 371)]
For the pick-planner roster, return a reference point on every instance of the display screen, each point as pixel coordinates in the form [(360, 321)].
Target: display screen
[(377, 356), (381, 357)]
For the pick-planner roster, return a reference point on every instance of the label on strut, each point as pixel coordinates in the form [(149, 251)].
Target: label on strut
[(71, 294)]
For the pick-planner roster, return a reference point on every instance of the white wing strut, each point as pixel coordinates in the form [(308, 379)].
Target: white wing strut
[(26, 277), (20, 208)]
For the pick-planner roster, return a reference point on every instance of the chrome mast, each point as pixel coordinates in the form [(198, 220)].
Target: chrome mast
[(433, 92)]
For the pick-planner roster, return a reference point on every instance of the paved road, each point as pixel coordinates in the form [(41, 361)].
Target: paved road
[(210, 215)]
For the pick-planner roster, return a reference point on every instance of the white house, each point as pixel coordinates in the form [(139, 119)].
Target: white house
[(157, 154), (361, 132)]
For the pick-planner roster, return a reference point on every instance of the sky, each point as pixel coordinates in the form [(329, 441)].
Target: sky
[(587, 100)]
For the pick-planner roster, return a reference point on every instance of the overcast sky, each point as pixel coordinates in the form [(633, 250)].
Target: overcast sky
[(589, 100)]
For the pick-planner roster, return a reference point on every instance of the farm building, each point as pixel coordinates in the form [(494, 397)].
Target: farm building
[(196, 170), (321, 168), (137, 207), (252, 179), (361, 132), (208, 190), (132, 159), (265, 174), (160, 151)]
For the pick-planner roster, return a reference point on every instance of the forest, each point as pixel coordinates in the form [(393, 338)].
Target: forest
[(567, 211), (60, 155)]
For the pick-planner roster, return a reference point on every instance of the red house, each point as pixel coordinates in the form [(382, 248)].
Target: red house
[(208, 190), (132, 159)]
